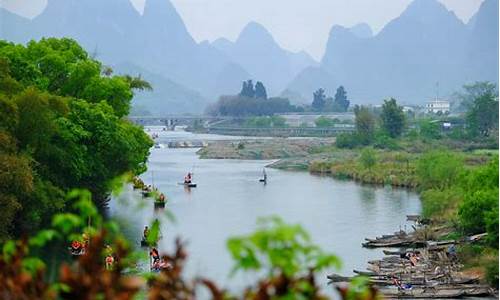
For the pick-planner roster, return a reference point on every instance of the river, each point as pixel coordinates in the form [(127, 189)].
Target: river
[(229, 199)]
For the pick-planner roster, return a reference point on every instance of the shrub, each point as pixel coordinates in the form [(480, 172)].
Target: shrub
[(347, 140), (439, 169), (436, 202), (383, 141), (472, 212), (368, 158)]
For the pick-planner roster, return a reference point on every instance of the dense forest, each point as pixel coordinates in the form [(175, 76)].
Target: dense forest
[(61, 127)]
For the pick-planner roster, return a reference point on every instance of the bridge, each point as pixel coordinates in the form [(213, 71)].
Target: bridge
[(170, 121)]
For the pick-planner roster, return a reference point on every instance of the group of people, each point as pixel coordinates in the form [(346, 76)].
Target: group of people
[(80, 247), (157, 263)]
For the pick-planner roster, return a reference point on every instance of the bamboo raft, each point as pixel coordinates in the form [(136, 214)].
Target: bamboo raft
[(426, 271)]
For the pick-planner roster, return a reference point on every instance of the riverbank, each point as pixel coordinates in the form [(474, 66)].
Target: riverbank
[(275, 148)]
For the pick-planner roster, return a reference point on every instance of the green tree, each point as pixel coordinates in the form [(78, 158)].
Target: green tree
[(340, 102), (429, 129), (392, 118), (482, 117), (61, 127), (319, 100), (365, 124), (478, 212), (260, 90), (248, 89), (472, 91)]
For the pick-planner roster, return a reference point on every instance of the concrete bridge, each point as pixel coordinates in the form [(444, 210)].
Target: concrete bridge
[(170, 121)]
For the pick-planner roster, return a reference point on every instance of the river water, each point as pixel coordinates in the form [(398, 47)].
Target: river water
[(228, 200)]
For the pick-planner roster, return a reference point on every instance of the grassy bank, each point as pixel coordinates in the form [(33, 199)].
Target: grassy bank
[(458, 188)]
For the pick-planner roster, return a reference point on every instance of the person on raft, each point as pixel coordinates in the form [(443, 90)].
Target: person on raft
[(400, 285), (145, 233), (155, 255), (188, 178), (162, 198), (76, 247), (109, 260)]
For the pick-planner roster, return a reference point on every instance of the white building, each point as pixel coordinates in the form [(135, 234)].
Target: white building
[(436, 106)]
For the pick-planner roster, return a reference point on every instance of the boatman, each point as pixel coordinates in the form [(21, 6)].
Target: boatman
[(188, 178)]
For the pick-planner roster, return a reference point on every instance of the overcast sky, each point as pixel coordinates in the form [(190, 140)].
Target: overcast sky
[(295, 24)]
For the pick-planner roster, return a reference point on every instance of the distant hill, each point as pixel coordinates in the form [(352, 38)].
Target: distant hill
[(258, 53), (167, 97), (115, 33), (426, 44)]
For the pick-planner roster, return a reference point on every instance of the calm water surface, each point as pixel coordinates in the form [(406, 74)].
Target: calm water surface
[(228, 200)]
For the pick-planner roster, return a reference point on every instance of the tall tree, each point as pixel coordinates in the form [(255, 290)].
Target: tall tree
[(260, 91), (472, 91), (393, 118), (365, 124), (248, 89), (482, 115), (319, 100), (340, 103)]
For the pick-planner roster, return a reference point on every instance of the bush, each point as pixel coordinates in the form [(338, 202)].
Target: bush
[(347, 140), (368, 158), (323, 121), (435, 203), (439, 169), (383, 141), (472, 212)]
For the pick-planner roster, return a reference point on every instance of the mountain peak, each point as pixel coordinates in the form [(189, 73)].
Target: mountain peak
[(362, 30), (255, 31), (426, 10)]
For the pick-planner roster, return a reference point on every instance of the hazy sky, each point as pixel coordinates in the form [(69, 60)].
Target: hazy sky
[(296, 25)]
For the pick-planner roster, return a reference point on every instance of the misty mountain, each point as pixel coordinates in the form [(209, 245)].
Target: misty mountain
[(482, 43), (300, 89), (257, 52), (115, 33), (425, 45), (362, 30), (167, 97)]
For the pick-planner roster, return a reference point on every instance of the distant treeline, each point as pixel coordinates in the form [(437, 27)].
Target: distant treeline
[(251, 101)]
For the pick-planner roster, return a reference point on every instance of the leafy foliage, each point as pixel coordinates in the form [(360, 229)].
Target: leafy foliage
[(439, 169), (479, 211), (393, 118), (260, 90), (365, 124), (340, 102), (286, 253), (482, 117), (61, 127), (368, 158), (319, 100)]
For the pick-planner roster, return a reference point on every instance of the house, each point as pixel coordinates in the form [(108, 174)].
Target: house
[(438, 106)]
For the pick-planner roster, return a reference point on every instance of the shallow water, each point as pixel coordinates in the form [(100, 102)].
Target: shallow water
[(229, 198)]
